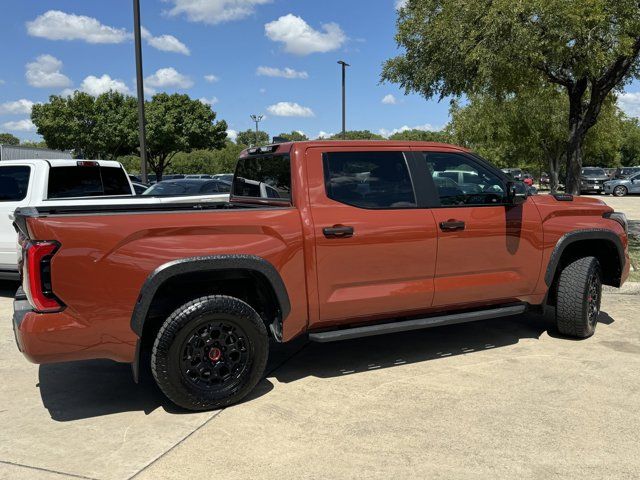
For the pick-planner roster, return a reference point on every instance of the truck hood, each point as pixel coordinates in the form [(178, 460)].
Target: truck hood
[(550, 206)]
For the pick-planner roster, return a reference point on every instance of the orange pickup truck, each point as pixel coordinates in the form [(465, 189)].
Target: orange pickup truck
[(334, 240)]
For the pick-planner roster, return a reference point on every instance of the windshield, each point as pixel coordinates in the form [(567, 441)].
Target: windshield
[(263, 177), (594, 171)]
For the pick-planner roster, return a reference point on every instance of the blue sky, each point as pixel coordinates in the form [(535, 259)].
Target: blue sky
[(271, 57)]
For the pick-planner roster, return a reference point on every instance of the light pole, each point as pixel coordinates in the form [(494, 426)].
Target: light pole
[(257, 119), (344, 97), (140, 85)]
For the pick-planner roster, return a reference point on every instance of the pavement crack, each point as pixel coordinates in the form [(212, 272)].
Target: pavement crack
[(48, 470)]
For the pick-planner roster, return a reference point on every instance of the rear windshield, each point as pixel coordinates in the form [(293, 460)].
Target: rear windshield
[(67, 182), (14, 182), (264, 177)]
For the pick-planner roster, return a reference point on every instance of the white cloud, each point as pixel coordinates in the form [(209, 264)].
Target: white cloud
[(281, 72), (97, 85), (401, 4), (45, 72), (629, 102), (165, 43), (289, 109), (427, 127), (211, 78), (300, 38), (25, 125), (389, 99), (21, 107), (167, 78), (322, 134), (209, 101), (232, 135), (213, 12), (57, 25)]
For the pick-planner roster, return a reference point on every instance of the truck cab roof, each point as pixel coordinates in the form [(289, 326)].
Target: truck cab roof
[(57, 162)]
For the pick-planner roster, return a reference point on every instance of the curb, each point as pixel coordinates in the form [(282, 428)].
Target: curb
[(629, 288)]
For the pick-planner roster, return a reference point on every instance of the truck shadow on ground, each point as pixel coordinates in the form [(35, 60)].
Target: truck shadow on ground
[(79, 390)]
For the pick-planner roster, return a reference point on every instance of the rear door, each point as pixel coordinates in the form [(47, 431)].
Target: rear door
[(488, 251), (375, 248), (15, 181)]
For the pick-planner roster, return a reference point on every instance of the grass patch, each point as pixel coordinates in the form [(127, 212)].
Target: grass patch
[(634, 254)]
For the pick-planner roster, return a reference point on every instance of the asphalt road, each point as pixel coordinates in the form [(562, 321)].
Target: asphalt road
[(505, 398)]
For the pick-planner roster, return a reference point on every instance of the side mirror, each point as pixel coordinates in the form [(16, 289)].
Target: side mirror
[(517, 193)]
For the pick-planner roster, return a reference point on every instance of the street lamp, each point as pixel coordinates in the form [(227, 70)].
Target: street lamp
[(257, 119), (344, 101), (140, 85)]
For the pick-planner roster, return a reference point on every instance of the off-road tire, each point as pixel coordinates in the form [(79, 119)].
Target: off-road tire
[(578, 299), (167, 357)]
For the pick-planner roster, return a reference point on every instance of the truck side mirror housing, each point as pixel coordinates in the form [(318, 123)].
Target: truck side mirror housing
[(517, 193)]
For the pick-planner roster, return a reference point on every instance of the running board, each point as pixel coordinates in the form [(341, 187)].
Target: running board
[(417, 324)]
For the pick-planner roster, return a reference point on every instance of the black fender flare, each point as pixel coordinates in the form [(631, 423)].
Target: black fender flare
[(206, 264), (576, 236)]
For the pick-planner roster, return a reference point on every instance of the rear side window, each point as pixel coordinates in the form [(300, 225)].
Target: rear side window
[(67, 182), (373, 180), (14, 182), (264, 177)]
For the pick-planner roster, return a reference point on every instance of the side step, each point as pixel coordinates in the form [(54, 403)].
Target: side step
[(417, 324)]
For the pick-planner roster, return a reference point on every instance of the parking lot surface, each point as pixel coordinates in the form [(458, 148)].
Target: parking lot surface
[(505, 398)]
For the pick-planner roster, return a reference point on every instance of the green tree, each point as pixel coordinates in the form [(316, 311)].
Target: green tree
[(416, 135), (248, 138), (115, 129), (32, 144), (67, 123), (456, 47), (630, 143), (357, 135), (294, 136), (8, 139), (176, 123)]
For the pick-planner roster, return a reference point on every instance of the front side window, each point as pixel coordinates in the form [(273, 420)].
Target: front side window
[(263, 177), (373, 180), (461, 181), (14, 182)]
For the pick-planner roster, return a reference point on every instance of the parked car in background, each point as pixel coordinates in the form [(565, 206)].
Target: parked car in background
[(527, 179), (139, 188), (515, 173), (189, 190), (225, 177), (359, 241), (545, 180), (592, 180), (624, 172), (197, 176), (623, 186)]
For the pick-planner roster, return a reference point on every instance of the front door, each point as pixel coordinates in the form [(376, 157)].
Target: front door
[(375, 249), (14, 187), (488, 251)]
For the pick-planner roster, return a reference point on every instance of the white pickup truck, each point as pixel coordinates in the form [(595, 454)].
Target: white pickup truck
[(42, 182)]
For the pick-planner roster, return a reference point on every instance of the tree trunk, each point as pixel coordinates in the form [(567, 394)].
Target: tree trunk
[(577, 134), (554, 164)]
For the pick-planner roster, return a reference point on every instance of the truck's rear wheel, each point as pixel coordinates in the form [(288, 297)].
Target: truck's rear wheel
[(210, 353), (579, 296)]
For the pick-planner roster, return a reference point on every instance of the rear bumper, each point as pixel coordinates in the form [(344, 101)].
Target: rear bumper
[(59, 337), (10, 275)]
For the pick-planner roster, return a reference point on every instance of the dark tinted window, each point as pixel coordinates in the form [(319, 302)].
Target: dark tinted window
[(215, 187), (461, 181), (175, 187), (265, 177), (369, 179), (14, 182), (65, 182)]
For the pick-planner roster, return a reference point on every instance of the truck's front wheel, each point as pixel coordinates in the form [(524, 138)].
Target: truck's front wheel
[(579, 295), (210, 353)]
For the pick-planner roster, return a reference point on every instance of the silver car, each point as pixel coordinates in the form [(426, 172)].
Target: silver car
[(623, 186)]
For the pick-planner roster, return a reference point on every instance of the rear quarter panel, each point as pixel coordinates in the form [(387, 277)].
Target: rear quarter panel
[(105, 259)]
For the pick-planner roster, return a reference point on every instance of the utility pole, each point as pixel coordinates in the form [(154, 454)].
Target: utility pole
[(257, 119), (344, 97), (140, 85)]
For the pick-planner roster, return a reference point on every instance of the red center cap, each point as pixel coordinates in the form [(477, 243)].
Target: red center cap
[(215, 354)]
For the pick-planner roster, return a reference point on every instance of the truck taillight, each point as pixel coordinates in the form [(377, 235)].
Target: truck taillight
[(36, 275)]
